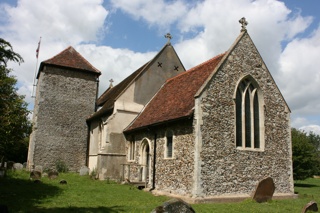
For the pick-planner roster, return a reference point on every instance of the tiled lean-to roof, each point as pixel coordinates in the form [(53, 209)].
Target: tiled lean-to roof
[(175, 99), (72, 59)]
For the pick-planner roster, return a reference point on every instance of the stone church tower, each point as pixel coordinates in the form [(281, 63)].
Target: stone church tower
[(66, 94)]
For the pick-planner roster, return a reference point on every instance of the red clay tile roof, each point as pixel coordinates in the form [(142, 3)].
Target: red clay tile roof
[(72, 59), (176, 98)]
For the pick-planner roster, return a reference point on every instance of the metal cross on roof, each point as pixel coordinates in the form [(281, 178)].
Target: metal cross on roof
[(168, 36), (243, 23), (111, 81)]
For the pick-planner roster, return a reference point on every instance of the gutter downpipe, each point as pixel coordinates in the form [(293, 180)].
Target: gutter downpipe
[(154, 163)]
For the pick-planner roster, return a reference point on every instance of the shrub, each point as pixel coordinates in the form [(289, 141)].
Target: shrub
[(61, 166)]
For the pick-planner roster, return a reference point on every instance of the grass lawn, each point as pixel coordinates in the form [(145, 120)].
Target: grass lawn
[(83, 194)]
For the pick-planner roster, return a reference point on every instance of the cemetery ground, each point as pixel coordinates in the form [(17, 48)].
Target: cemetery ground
[(84, 194)]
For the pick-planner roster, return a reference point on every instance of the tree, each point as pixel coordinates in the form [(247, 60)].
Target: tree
[(305, 155), (14, 124)]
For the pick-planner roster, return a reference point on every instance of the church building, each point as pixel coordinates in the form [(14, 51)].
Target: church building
[(204, 134)]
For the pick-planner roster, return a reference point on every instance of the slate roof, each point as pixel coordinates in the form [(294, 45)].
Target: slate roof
[(70, 58), (175, 99)]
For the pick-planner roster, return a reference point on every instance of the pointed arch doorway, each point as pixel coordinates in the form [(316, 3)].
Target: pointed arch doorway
[(145, 160)]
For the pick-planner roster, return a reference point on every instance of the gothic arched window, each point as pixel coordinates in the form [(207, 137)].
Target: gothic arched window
[(249, 115)]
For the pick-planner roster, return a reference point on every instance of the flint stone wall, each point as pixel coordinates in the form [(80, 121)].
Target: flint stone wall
[(224, 168), (172, 175), (65, 98)]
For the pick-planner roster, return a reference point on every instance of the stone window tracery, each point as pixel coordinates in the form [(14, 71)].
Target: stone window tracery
[(169, 145), (249, 115)]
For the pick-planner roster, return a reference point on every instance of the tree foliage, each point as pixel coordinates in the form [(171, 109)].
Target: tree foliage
[(305, 154), (14, 124)]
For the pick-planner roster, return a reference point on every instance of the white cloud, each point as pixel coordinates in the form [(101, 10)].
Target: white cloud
[(299, 66), (311, 128), (156, 12), (114, 64)]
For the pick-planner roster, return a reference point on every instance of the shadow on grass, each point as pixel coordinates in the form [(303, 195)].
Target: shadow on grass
[(101, 209), (305, 185), (23, 194)]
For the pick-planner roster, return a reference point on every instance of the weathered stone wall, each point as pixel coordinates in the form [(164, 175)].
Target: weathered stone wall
[(172, 175), (65, 98), (226, 169)]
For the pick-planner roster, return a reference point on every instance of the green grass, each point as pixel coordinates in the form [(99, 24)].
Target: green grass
[(80, 194), (83, 194)]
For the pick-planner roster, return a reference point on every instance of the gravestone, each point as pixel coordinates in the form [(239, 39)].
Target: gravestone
[(311, 206), (53, 175), (264, 190), (38, 168), (17, 166), (25, 165), (35, 175), (84, 171), (174, 206)]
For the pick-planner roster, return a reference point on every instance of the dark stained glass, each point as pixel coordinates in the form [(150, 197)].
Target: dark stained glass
[(256, 121), (247, 119), (238, 118)]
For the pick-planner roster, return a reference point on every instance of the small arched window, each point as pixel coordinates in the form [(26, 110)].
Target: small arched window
[(169, 145), (249, 115)]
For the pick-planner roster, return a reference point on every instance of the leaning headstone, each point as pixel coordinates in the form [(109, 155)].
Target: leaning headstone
[(25, 165), (173, 206), (35, 175), (311, 206), (53, 175), (84, 171), (38, 168), (17, 166), (264, 190)]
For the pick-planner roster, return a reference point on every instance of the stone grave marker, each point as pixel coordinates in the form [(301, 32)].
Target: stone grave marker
[(264, 190), (84, 171), (311, 206), (35, 175), (53, 175), (17, 166), (38, 168), (174, 206)]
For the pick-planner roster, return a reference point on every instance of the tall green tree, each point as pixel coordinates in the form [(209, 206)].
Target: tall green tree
[(305, 155), (14, 124)]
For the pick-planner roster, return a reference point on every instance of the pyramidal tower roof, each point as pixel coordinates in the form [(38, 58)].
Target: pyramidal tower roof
[(72, 59)]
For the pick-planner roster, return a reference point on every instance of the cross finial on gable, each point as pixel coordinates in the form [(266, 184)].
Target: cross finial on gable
[(243, 23), (169, 37), (111, 81)]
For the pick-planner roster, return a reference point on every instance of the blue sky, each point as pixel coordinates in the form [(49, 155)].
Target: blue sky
[(118, 36)]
